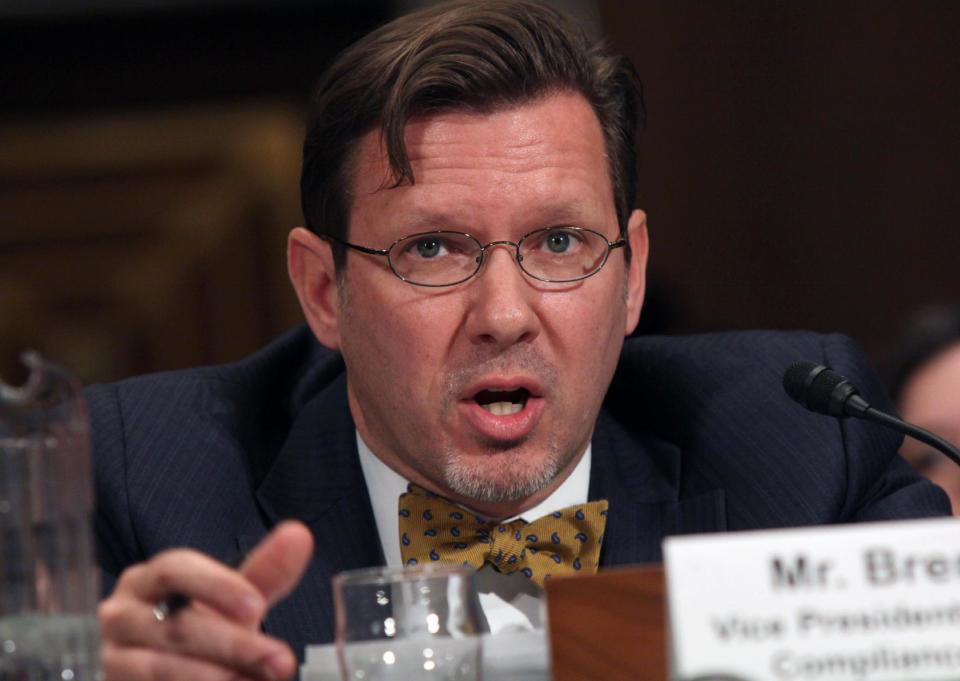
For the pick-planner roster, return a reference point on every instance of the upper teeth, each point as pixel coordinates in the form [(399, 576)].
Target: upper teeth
[(503, 408)]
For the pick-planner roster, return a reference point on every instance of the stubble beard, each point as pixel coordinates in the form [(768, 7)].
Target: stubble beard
[(505, 472), (506, 477)]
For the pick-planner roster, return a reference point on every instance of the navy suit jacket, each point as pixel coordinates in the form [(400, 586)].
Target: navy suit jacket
[(695, 435)]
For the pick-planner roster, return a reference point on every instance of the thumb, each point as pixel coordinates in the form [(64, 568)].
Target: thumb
[(277, 563)]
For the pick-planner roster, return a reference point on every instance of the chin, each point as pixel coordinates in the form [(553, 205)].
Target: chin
[(500, 476)]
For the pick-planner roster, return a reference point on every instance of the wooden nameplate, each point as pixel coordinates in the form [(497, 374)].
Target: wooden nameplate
[(609, 626)]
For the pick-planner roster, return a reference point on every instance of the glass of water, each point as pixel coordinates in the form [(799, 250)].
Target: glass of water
[(404, 624)]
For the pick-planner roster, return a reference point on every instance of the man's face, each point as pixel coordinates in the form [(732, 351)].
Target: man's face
[(931, 399), (426, 365)]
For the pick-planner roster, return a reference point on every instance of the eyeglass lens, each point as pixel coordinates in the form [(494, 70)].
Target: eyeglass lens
[(443, 258)]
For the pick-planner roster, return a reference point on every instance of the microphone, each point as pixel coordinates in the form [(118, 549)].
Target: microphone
[(824, 391)]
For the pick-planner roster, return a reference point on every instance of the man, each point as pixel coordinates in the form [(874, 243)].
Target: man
[(923, 381), (473, 260)]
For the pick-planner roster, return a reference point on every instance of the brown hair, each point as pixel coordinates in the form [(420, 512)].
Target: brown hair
[(468, 55)]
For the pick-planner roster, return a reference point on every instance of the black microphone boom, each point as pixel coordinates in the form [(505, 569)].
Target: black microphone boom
[(822, 390)]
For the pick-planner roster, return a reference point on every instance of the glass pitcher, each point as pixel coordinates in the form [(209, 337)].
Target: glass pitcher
[(48, 578)]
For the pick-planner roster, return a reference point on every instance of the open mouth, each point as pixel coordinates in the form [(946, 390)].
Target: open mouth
[(503, 402)]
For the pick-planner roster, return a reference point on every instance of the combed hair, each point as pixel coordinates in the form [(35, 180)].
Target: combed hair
[(929, 332), (469, 55)]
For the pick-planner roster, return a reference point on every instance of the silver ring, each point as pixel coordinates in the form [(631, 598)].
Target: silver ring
[(161, 611)]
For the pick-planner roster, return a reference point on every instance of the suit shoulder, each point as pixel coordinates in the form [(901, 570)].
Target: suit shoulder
[(720, 398), (734, 350), (677, 380), (178, 455), (743, 363), (249, 403), (294, 365)]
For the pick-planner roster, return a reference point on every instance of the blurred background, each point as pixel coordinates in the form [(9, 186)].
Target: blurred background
[(800, 167)]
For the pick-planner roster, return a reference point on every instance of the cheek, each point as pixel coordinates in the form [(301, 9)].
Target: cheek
[(419, 332), (588, 323), (396, 341), (367, 335)]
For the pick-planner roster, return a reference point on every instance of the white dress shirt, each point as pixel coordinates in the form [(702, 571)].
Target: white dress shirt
[(510, 602)]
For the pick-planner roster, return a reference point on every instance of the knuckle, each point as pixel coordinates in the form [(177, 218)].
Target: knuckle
[(110, 614), (164, 573), (129, 575)]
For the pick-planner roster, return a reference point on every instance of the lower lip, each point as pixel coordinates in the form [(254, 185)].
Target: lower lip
[(508, 428)]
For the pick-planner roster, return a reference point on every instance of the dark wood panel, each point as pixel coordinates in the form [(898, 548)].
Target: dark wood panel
[(147, 241), (609, 626), (800, 159)]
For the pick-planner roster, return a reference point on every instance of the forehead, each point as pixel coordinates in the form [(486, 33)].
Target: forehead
[(545, 152)]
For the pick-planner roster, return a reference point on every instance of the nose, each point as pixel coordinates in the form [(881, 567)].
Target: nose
[(503, 303)]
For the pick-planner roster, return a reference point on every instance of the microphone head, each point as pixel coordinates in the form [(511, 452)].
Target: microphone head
[(797, 379), (818, 388)]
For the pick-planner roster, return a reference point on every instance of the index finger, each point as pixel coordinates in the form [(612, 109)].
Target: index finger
[(277, 563), (202, 579)]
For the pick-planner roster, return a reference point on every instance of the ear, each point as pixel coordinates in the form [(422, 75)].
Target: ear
[(312, 273), (637, 271)]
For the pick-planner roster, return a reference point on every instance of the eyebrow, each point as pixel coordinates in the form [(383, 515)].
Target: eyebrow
[(568, 211), (420, 220)]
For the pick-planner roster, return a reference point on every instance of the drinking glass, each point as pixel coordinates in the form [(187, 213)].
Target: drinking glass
[(406, 624)]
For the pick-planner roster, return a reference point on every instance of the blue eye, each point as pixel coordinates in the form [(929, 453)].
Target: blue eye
[(558, 242), (428, 247)]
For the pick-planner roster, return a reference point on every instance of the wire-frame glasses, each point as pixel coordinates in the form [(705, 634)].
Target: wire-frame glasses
[(443, 258)]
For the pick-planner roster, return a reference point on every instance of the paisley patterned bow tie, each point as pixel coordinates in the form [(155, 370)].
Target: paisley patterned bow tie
[(433, 529)]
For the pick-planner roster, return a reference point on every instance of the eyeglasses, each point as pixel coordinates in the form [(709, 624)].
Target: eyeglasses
[(441, 258)]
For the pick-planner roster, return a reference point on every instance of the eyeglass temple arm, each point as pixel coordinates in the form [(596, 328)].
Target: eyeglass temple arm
[(619, 243), (356, 247)]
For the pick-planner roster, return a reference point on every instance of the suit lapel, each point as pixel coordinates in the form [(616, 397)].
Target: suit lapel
[(317, 479), (641, 476)]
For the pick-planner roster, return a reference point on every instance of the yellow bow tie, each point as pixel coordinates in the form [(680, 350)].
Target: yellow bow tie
[(433, 529)]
